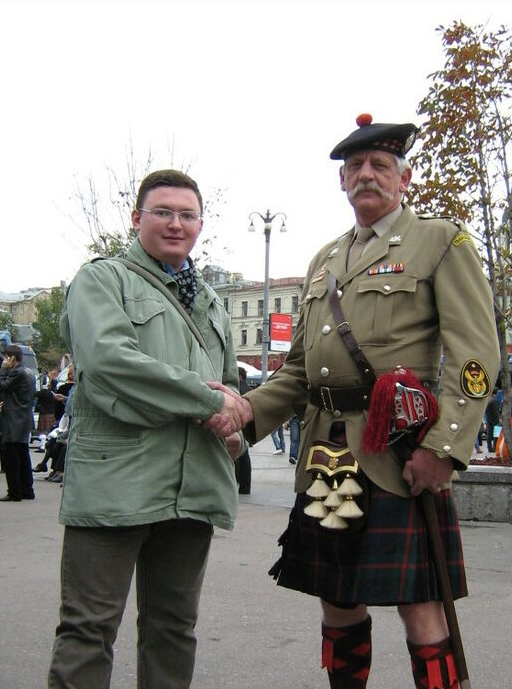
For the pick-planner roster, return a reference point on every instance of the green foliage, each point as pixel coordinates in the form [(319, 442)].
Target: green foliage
[(48, 339), (6, 322)]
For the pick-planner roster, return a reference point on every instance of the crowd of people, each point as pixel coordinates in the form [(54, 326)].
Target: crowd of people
[(158, 426)]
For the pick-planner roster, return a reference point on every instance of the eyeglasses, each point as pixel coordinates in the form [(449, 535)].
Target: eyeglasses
[(165, 215)]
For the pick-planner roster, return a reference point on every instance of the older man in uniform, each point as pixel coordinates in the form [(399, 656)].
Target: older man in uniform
[(410, 287)]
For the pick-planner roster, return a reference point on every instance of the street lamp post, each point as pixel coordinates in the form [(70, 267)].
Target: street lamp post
[(268, 218)]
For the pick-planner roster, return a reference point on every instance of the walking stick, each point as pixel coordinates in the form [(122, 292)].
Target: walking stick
[(443, 580), (400, 408), (403, 450)]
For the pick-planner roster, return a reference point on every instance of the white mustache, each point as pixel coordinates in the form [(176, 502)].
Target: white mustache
[(369, 186)]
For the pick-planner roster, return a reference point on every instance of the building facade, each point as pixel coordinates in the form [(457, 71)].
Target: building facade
[(22, 307), (243, 300)]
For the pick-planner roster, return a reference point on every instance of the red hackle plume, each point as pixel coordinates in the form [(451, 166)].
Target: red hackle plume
[(382, 406)]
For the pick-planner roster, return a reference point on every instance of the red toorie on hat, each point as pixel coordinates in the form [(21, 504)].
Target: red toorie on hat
[(397, 139)]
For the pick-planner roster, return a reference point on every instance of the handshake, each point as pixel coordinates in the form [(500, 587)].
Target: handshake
[(234, 415)]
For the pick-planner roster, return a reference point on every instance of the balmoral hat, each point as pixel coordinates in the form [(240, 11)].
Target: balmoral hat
[(392, 138)]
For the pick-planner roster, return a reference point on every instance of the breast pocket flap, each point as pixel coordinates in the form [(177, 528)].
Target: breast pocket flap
[(140, 311), (387, 285)]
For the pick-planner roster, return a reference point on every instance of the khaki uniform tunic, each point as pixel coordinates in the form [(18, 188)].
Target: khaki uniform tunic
[(437, 299)]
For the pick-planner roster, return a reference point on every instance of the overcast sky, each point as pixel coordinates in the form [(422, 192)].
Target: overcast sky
[(250, 95)]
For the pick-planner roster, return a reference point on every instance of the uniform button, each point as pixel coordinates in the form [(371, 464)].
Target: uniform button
[(324, 371), (308, 296), (339, 292), (461, 402), (387, 288), (326, 329), (336, 413), (454, 427), (447, 448)]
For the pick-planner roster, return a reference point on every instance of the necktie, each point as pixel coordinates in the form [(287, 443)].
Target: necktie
[(187, 287), (357, 247)]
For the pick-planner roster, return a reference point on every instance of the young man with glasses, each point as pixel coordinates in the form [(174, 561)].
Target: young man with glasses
[(145, 481)]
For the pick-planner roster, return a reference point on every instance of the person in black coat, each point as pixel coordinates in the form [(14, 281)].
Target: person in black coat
[(243, 468), (17, 393), (493, 418)]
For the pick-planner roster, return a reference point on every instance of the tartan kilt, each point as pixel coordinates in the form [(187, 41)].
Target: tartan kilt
[(45, 423), (387, 563)]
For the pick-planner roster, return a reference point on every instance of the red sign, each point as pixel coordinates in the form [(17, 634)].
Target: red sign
[(280, 332)]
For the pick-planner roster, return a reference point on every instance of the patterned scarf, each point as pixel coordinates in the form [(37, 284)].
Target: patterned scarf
[(186, 280)]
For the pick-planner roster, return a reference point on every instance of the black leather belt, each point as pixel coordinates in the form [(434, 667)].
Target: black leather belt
[(341, 399)]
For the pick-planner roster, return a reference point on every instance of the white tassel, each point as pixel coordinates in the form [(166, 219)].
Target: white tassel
[(316, 509), (332, 521), (333, 499), (349, 487), (319, 488), (349, 509)]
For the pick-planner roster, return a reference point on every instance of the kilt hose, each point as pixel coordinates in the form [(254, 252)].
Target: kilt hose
[(387, 563)]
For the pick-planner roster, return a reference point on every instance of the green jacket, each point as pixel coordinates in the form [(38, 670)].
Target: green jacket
[(136, 452), (438, 298)]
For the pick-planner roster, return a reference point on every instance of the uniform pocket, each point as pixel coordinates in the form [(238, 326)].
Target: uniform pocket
[(140, 311), (384, 301)]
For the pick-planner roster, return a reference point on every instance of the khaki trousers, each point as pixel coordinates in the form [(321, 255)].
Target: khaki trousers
[(96, 572)]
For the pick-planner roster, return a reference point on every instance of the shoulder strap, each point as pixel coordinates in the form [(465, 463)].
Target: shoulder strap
[(345, 332), (167, 293)]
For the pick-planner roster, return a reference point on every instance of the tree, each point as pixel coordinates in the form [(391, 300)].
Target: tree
[(108, 224), (6, 322), (465, 158), (48, 344)]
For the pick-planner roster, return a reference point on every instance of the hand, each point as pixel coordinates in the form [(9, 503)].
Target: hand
[(234, 444), (246, 409), (59, 396), (426, 471), (229, 419)]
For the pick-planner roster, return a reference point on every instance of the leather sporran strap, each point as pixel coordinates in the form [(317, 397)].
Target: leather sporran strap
[(345, 332)]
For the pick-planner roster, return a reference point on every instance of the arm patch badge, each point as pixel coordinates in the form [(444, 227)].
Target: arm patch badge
[(462, 236), (474, 380)]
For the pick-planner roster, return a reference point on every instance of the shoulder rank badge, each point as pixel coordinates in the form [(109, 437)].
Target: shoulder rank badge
[(474, 379), (462, 236), (319, 275)]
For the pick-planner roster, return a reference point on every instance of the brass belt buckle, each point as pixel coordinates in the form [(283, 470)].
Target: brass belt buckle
[(325, 394)]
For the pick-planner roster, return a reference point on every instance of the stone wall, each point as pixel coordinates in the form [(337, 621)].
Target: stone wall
[(484, 494)]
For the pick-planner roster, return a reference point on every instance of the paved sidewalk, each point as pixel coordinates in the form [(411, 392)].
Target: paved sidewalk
[(251, 634)]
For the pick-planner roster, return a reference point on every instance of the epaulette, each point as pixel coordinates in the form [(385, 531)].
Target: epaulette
[(461, 236), (450, 218)]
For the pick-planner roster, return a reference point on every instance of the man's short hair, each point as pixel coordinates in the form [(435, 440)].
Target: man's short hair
[(167, 178), (15, 351)]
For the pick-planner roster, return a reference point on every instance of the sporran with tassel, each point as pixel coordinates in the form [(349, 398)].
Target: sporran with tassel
[(339, 492)]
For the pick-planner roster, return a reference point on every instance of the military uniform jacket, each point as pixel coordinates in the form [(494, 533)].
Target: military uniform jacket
[(417, 290)]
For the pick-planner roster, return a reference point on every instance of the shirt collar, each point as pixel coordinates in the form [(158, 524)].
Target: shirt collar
[(386, 223), (170, 270)]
